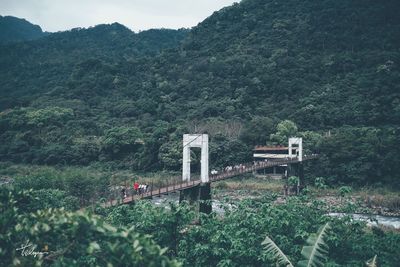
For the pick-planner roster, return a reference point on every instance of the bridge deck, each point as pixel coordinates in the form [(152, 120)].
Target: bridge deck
[(246, 168)]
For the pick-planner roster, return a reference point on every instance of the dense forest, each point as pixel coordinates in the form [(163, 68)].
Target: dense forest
[(106, 94)]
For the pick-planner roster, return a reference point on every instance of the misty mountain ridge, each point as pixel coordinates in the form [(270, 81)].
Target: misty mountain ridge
[(106, 36), (13, 29)]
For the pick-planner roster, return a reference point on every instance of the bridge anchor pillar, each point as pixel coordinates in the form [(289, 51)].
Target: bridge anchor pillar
[(205, 205), (300, 171), (190, 195), (296, 169), (198, 196)]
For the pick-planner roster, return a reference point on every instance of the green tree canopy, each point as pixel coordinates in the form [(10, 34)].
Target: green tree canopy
[(124, 138), (284, 130)]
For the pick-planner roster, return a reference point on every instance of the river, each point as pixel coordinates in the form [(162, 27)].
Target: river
[(217, 206), (372, 219)]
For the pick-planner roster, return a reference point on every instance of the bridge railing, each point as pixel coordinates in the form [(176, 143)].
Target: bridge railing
[(167, 189), (177, 185), (251, 167)]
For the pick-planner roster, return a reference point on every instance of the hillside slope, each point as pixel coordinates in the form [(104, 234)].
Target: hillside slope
[(30, 69), (320, 63)]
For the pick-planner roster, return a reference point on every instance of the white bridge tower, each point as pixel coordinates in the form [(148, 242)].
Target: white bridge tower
[(195, 140), (296, 141)]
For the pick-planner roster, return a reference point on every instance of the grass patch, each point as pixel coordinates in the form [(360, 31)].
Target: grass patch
[(251, 183)]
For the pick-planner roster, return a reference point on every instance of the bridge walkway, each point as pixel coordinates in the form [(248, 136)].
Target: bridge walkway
[(176, 187)]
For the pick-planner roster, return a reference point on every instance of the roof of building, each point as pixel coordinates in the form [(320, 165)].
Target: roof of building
[(271, 148)]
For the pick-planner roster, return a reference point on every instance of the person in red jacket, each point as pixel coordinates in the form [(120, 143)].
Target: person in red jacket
[(136, 187)]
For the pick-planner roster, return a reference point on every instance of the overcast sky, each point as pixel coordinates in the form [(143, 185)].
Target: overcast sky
[(60, 15)]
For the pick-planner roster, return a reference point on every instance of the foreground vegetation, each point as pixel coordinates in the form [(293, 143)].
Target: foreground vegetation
[(77, 238), (43, 204)]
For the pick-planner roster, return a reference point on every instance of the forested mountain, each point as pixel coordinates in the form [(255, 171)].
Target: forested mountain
[(320, 63), (106, 94), (14, 29), (32, 68)]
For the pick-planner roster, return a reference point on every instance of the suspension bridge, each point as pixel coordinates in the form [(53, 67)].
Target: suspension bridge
[(176, 187)]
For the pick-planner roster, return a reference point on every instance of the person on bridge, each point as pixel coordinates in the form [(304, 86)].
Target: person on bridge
[(141, 188), (136, 187), (123, 193)]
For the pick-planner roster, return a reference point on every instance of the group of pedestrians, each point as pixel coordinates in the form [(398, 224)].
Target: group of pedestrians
[(239, 167), (137, 189), (236, 168), (140, 188)]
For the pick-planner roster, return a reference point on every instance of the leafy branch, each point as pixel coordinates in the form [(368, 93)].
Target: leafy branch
[(315, 253)]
